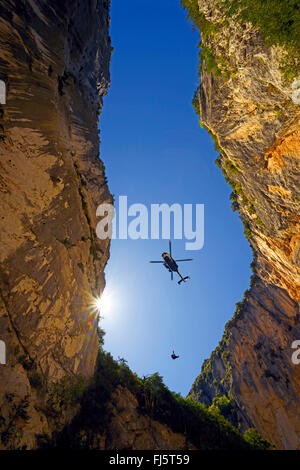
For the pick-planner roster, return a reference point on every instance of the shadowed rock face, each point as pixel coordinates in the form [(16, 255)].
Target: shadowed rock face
[(249, 110), (130, 429), (54, 59)]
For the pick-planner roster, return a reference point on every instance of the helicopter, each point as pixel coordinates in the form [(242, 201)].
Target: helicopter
[(171, 265)]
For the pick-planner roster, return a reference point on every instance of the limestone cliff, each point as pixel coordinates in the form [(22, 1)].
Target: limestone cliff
[(245, 102), (54, 60)]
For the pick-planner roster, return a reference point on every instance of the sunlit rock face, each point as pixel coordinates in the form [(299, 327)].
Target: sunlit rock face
[(54, 60), (248, 107)]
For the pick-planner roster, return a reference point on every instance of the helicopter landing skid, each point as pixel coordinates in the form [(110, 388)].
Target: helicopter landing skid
[(184, 279)]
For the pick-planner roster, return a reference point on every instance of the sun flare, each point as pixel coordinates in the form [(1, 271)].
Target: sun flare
[(104, 304)]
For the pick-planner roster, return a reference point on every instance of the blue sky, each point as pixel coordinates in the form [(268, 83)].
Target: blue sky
[(155, 152)]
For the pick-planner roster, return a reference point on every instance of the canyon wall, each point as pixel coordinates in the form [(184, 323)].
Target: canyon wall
[(54, 60), (245, 102)]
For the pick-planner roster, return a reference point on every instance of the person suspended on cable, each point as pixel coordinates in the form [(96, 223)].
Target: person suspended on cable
[(173, 355)]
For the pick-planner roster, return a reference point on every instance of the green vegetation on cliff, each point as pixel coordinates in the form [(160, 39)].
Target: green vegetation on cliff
[(198, 18), (278, 21), (216, 393), (204, 428), (206, 388), (254, 438), (206, 28)]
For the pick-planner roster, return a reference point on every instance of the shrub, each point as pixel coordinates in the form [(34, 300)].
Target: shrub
[(247, 229), (218, 162), (234, 198), (198, 19), (68, 390), (195, 103), (231, 167), (206, 56), (253, 437), (226, 407), (101, 333)]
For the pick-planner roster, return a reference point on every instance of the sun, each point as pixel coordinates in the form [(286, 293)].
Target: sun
[(104, 303), (98, 303)]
